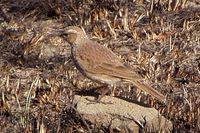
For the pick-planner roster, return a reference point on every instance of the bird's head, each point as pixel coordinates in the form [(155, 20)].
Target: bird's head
[(73, 34)]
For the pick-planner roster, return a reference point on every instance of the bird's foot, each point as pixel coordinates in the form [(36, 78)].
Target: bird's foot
[(97, 100)]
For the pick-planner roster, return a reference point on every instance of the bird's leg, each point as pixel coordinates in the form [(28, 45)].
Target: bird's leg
[(103, 90), (113, 87)]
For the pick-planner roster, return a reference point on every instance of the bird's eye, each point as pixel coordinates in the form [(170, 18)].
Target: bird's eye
[(71, 38)]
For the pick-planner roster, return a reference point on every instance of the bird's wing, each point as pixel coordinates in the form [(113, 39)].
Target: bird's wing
[(97, 59)]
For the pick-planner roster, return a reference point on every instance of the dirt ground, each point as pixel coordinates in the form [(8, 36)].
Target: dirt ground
[(158, 38)]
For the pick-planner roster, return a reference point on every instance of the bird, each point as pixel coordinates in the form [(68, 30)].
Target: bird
[(100, 64)]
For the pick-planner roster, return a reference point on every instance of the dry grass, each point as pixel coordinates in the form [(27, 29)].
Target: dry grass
[(37, 79)]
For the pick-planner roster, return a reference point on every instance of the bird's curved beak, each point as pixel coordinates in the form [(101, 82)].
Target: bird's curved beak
[(57, 32)]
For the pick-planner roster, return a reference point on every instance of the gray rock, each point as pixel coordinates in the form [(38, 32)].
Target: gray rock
[(118, 113)]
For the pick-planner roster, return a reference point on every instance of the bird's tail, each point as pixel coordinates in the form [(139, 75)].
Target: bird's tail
[(149, 90)]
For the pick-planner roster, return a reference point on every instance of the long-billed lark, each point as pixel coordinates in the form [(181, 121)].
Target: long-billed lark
[(100, 64)]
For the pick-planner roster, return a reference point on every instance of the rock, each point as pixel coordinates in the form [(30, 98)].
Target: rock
[(117, 113)]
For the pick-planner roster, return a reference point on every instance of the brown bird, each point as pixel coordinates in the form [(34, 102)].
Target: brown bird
[(100, 64)]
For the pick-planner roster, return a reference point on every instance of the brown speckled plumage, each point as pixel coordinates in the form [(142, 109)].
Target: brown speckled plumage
[(100, 63)]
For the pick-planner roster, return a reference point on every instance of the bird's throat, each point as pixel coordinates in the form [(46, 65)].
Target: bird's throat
[(71, 38)]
